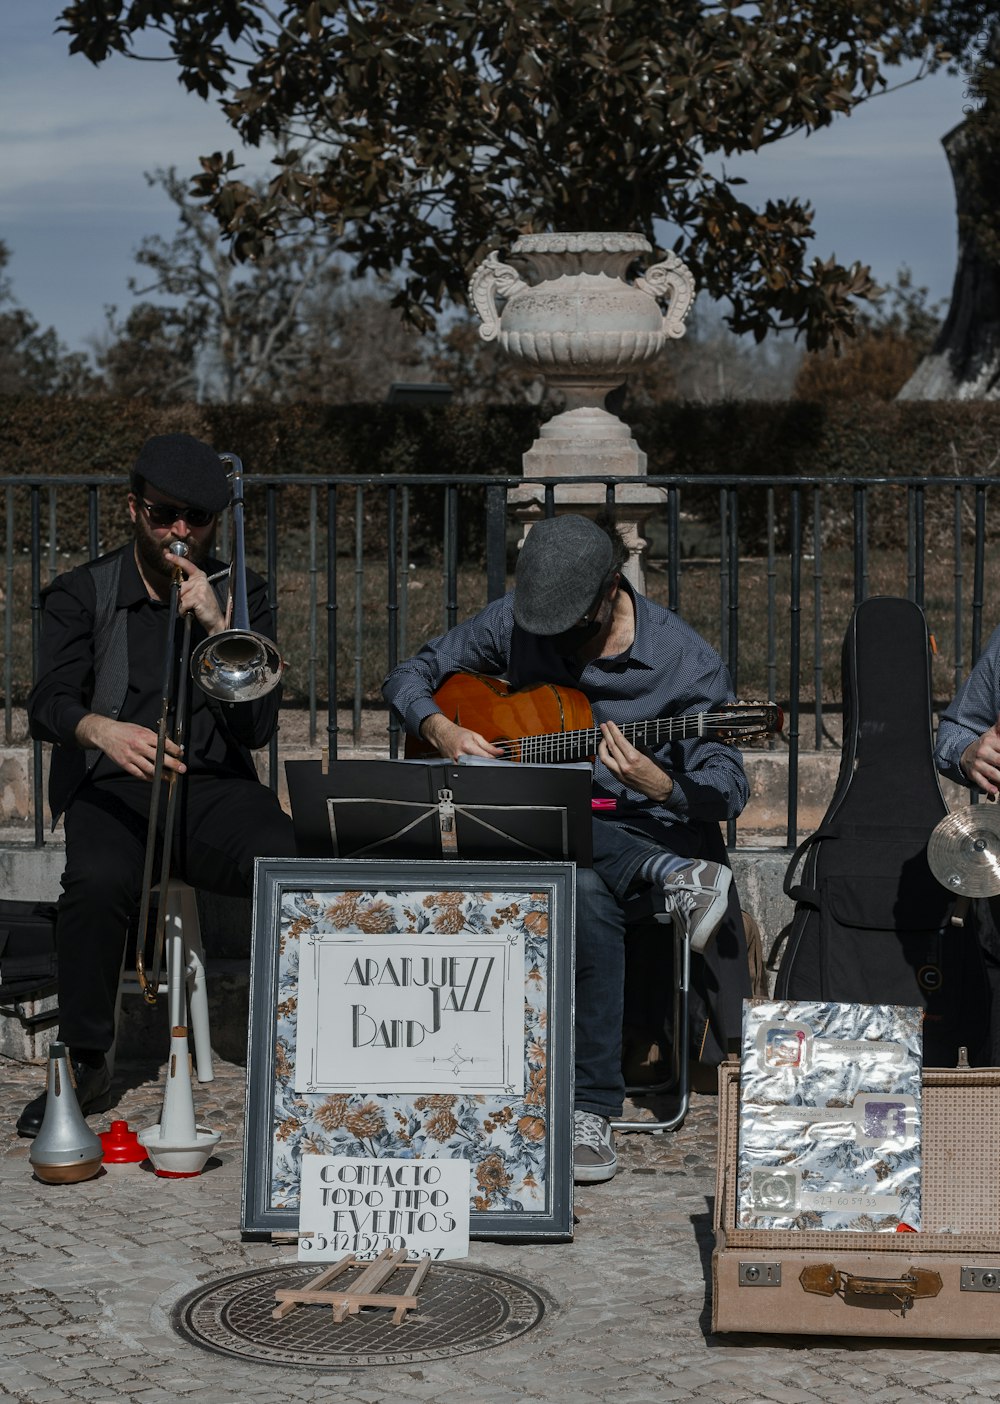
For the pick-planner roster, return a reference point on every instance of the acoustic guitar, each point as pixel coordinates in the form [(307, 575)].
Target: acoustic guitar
[(544, 724)]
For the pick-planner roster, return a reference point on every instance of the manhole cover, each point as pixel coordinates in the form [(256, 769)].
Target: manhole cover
[(462, 1310)]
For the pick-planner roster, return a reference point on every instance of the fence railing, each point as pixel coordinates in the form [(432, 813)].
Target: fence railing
[(361, 568)]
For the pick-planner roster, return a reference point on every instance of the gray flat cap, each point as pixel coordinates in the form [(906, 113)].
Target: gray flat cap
[(562, 565), (184, 468)]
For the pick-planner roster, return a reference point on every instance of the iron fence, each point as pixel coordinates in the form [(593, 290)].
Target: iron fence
[(361, 568)]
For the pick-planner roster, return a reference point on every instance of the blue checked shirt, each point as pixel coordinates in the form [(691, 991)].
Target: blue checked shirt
[(972, 713), (669, 669)]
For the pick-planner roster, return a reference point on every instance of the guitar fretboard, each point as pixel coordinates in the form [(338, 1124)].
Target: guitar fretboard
[(553, 747)]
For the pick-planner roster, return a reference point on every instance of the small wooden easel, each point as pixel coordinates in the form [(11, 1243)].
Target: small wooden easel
[(364, 1291)]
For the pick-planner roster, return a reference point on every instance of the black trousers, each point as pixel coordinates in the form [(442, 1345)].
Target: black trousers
[(221, 825)]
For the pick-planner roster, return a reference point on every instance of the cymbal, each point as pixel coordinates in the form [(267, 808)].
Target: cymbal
[(963, 851)]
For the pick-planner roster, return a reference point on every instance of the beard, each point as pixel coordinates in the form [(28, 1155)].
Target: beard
[(567, 643), (152, 551)]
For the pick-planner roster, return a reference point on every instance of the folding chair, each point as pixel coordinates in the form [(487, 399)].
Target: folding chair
[(641, 910)]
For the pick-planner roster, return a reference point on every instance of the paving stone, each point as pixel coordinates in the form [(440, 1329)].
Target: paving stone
[(57, 1373), (93, 1271), (946, 1389)]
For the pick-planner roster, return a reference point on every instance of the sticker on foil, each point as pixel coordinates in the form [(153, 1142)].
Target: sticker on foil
[(829, 1117)]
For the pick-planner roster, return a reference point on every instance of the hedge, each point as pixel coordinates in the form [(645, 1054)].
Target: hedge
[(869, 439)]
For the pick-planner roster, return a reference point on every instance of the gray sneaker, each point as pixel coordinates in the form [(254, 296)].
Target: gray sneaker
[(594, 1157), (698, 896)]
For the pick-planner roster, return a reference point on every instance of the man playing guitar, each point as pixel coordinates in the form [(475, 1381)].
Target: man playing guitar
[(574, 621)]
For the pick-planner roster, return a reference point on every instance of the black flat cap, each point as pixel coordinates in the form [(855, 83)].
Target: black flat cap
[(184, 468), (562, 565)]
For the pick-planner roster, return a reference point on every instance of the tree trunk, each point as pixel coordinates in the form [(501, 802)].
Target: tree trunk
[(964, 363)]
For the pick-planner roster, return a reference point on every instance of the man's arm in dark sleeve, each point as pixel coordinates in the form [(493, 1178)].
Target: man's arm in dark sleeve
[(64, 681), (969, 725), (477, 645)]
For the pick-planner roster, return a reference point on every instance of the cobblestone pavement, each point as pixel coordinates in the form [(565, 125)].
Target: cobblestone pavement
[(91, 1272)]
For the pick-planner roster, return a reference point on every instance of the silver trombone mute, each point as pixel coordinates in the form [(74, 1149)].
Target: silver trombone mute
[(236, 666)]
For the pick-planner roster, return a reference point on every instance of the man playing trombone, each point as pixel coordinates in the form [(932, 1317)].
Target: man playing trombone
[(108, 676)]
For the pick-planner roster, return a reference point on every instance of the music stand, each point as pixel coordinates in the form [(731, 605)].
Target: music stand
[(440, 809)]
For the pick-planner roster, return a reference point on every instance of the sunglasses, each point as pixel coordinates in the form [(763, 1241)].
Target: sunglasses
[(164, 514)]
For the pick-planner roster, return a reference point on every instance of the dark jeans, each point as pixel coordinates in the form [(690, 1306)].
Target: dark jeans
[(222, 824), (600, 959)]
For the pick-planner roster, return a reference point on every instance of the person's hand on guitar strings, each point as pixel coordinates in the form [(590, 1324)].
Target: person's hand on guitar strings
[(981, 760), (633, 767), (452, 740)]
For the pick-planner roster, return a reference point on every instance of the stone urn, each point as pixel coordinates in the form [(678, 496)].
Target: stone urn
[(584, 310), (576, 308)]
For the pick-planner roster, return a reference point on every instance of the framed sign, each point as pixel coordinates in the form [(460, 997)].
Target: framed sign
[(413, 1009)]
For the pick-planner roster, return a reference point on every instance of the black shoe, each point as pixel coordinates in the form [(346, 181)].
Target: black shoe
[(93, 1092)]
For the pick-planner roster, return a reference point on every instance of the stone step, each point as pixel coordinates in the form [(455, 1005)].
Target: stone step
[(767, 771), (32, 874), (766, 814)]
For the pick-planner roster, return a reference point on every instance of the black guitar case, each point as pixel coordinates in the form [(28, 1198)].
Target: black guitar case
[(872, 925)]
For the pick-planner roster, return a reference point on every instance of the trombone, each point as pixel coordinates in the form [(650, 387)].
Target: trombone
[(235, 665)]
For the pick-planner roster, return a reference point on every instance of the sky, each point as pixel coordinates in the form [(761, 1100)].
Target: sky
[(76, 139)]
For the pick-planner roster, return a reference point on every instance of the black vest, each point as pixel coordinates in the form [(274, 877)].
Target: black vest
[(70, 766)]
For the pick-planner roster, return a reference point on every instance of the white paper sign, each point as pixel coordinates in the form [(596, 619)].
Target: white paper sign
[(350, 1204), (410, 1013)]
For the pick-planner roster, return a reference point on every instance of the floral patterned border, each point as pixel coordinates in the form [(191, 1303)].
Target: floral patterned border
[(508, 1139)]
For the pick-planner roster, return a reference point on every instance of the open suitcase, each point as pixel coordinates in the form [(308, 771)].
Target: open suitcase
[(943, 1281)]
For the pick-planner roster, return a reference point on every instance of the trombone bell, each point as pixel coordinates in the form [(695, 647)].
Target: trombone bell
[(236, 666)]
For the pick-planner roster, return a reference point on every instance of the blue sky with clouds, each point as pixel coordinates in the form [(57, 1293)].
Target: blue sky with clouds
[(76, 140)]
